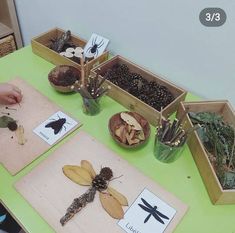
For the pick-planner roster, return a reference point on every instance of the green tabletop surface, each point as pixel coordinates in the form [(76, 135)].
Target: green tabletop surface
[(181, 178)]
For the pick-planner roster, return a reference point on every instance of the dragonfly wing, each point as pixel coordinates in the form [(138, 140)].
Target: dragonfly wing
[(161, 215), (111, 205), (120, 197), (145, 208), (157, 218), (146, 203), (146, 220)]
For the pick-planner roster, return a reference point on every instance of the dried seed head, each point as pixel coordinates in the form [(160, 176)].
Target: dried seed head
[(106, 172), (12, 126)]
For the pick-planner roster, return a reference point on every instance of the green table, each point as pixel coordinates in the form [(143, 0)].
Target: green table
[(180, 178)]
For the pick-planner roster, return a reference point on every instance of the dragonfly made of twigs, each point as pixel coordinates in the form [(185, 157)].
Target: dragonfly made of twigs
[(152, 210), (111, 200)]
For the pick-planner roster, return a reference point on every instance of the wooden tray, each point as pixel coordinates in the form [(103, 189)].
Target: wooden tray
[(41, 43), (214, 189), (50, 192), (32, 111), (131, 102)]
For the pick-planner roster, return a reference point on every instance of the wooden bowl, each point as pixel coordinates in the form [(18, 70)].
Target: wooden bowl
[(62, 77), (115, 121)]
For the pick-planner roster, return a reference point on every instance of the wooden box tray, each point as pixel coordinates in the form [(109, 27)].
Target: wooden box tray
[(217, 194), (41, 43), (135, 104)]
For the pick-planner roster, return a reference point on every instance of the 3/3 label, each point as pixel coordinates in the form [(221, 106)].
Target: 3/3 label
[(212, 17)]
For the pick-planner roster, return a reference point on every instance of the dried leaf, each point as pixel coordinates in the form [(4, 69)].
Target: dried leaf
[(4, 121), (129, 128), (141, 135), (119, 130), (20, 135), (131, 121), (121, 133), (111, 206), (88, 166), (130, 138), (121, 198), (77, 174)]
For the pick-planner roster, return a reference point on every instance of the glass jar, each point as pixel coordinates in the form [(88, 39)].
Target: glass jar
[(91, 106), (166, 153)]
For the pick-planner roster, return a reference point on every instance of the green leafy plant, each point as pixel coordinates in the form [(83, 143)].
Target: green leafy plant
[(218, 138)]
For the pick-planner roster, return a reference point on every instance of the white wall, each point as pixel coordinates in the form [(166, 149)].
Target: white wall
[(164, 36)]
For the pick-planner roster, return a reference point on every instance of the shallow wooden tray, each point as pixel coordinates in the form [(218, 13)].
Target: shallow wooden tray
[(50, 192), (135, 104), (217, 194), (32, 111)]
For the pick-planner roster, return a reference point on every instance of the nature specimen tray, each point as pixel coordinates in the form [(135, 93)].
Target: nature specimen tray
[(217, 194), (41, 43), (50, 192), (140, 90), (30, 113)]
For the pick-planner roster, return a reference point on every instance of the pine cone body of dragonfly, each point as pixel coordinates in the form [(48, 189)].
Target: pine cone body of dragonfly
[(100, 182)]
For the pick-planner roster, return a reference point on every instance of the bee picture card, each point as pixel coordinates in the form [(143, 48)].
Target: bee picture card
[(55, 127), (19, 148), (51, 193), (95, 46), (147, 214)]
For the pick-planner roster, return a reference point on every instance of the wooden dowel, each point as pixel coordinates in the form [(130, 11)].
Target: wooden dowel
[(82, 71)]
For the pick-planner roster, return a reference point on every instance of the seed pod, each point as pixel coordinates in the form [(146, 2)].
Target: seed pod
[(12, 126), (20, 135)]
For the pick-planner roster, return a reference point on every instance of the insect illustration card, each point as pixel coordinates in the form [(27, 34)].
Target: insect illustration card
[(55, 127), (148, 214), (95, 46)]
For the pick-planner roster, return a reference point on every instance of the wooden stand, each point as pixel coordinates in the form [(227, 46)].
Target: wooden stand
[(9, 22)]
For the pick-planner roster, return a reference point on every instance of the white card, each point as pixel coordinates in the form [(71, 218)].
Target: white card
[(55, 127), (95, 46), (148, 214)]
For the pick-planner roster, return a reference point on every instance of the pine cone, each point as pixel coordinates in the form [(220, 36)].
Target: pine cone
[(107, 173), (99, 183)]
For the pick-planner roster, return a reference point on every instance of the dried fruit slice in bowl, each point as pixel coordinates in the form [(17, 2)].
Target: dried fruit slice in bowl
[(129, 129)]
